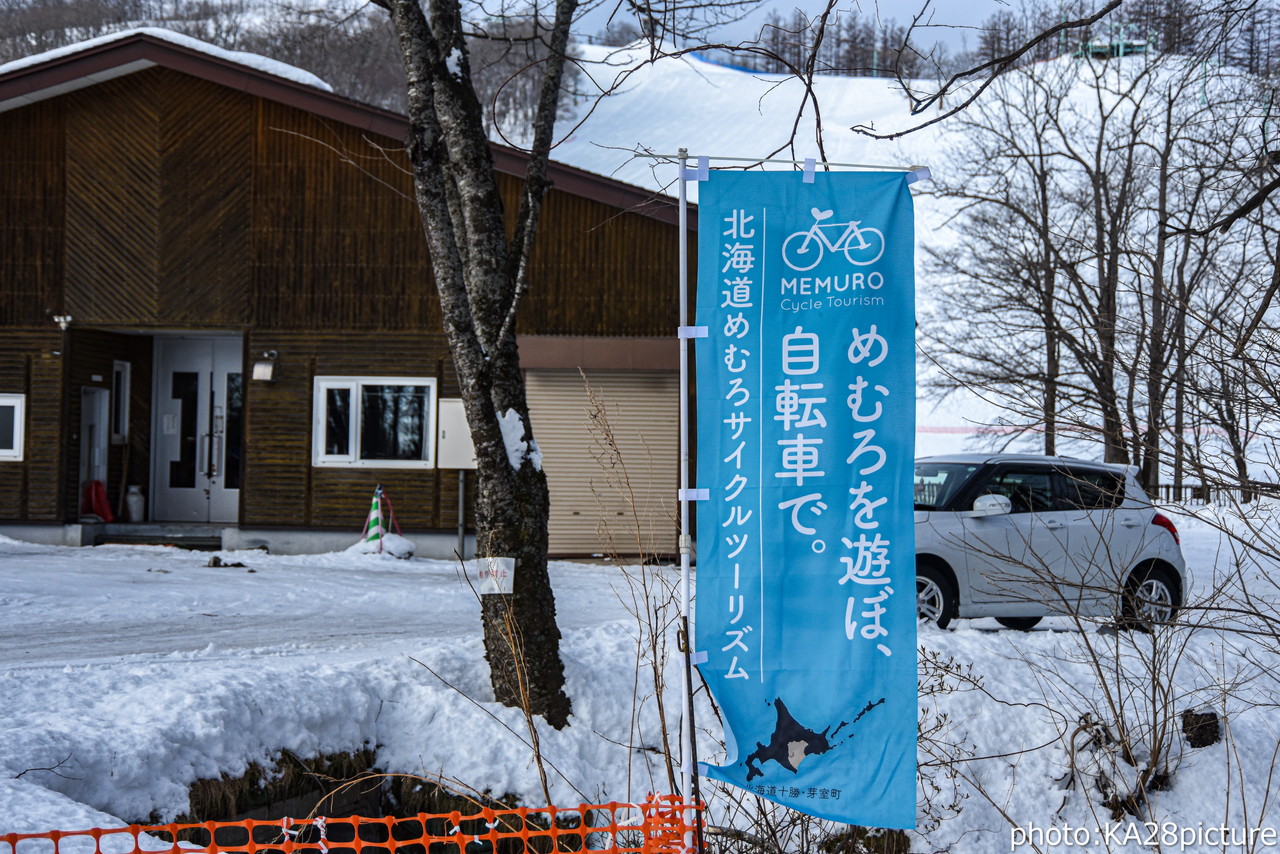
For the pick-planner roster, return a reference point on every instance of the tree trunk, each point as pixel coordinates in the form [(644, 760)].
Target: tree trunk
[(477, 276), (1053, 365)]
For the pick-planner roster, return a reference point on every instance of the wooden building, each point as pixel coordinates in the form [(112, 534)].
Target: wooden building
[(214, 288)]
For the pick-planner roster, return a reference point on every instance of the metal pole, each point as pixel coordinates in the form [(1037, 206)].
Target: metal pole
[(686, 540), (683, 156), (462, 514)]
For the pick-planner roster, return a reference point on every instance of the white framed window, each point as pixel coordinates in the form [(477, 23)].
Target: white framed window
[(120, 372), (374, 422), (13, 419)]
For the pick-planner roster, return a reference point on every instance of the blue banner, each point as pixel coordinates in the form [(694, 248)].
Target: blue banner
[(806, 425)]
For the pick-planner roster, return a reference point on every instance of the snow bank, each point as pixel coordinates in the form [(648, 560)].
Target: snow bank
[(390, 545), (129, 672)]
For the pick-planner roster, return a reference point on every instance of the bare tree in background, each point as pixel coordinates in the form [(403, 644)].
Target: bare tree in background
[(507, 57), (1072, 304)]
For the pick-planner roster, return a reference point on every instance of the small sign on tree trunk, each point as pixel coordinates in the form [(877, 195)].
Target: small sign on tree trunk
[(495, 574)]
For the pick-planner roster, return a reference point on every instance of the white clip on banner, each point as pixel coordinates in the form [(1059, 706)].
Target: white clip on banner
[(694, 495), (694, 331), (918, 173), (810, 165), (701, 172), (699, 657)]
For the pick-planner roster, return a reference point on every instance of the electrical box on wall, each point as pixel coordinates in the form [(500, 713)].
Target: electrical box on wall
[(453, 438)]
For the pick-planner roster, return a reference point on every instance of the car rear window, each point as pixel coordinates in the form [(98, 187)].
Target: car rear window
[(1083, 489)]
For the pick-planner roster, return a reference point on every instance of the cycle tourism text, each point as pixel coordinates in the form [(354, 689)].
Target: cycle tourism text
[(816, 303)]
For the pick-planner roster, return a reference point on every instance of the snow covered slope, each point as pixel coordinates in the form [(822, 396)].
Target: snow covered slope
[(719, 111)]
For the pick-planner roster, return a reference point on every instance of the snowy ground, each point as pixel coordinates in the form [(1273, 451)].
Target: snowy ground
[(132, 671)]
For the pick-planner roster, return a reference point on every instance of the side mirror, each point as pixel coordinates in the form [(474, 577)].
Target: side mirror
[(992, 505)]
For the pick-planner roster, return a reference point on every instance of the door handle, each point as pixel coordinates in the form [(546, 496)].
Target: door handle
[(215, 453), (1129, 522), (1053, 524)]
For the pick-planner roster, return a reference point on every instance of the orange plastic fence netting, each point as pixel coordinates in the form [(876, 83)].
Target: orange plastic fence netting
[(664, 825)]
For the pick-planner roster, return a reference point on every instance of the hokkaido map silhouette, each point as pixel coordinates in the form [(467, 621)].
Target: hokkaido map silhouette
[(791, 742)]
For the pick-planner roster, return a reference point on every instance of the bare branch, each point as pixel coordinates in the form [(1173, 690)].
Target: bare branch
[(992, 68), (1222, 225), (52, 769)]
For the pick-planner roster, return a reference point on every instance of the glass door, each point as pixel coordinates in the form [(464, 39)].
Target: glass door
[(198, 438)]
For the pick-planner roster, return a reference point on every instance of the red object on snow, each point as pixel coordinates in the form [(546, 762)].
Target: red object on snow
[(94, 500)]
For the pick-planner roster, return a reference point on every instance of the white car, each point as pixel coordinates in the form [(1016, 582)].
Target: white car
[(1021, 537)]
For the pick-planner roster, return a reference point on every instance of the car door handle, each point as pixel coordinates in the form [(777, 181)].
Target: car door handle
[(1130, 522), (1053, 524)]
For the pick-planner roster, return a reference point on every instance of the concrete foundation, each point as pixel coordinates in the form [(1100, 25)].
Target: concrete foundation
[(284, 541)]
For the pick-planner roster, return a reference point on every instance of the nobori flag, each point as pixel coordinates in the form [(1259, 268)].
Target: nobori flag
[(806, 551)]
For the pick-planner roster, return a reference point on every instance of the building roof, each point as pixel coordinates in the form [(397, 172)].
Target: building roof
[(67, 69)]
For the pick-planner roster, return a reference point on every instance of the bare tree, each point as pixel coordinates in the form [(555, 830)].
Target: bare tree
[(480, 274), (1069, 179)]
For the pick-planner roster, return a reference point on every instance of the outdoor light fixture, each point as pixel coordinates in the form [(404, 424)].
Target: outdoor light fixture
[(264, 369)]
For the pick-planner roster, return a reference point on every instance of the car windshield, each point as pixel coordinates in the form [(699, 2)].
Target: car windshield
[(937, 483)]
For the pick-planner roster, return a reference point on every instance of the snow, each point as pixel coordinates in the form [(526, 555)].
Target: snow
[(387, 543), (251, 60), (132, 671), (518, 449), (453, 62), (720, 112)]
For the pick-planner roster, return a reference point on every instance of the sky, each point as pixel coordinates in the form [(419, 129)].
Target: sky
[(952, 20)]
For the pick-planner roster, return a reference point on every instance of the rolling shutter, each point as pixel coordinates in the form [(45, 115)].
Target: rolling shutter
[(609, 496)]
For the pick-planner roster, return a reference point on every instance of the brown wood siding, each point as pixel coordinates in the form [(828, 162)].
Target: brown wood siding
[(158, 202), (163, 201), (282, 487), (113, 193), (93, 354), (31, 199), (206, 180), (30, 364), (600, 271), (191, 205), (337, 242)]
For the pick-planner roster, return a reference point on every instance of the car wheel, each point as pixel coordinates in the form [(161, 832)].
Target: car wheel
[(1022, 624), (1150, 598), (936, 600)]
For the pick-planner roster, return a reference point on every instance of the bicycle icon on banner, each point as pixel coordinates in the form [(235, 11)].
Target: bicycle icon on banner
[(861, 245)]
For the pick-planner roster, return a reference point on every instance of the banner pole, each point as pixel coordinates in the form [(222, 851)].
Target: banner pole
[(686, 539)]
